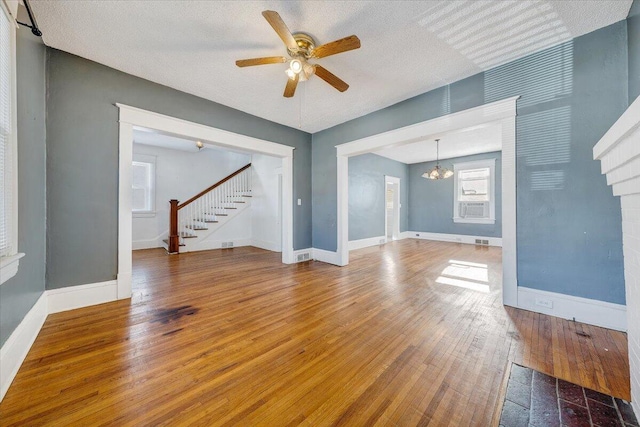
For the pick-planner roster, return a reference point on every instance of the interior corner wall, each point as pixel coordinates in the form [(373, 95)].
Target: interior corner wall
[(568, 223), (82, 160), (431, 202), (180, 175), (633, 36), (266, 221), (20, 293), (367, 195)]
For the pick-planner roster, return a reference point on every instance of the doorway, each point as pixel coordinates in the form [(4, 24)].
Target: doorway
[(392, 208), (502, 112), (130, 117)]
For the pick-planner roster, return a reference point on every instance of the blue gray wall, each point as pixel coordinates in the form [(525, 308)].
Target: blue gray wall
[(633, 28), (20, 293), (82, 160), (568, 222), (431, 202), (367, 194)]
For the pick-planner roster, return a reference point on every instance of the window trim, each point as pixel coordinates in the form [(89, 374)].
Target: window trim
[(9, 264), (152, 160), (478, 164)]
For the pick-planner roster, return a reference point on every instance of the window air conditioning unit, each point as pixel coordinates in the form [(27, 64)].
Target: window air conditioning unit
[(474, 210)]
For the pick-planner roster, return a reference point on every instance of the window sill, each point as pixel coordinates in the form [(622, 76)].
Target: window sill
[(474, 220), (9, 267), (144, 214)]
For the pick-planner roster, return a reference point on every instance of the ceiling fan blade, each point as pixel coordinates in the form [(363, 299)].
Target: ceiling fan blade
[(290, 88), (331, 78), (261, 61), (278, 24), (338, 46)]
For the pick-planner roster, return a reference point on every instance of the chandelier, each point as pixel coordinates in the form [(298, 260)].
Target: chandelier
[(438, 172)]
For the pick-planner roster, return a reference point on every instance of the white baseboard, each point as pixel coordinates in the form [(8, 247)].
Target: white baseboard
[(593, 312), (456, 238), (72, 297), (214, 244), (365, 243), (269, 246), (146, 244), (405, 235), (326, 256), (17, 346)]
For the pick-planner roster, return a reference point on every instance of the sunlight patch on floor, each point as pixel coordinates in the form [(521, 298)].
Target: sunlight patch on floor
[(464, 274)]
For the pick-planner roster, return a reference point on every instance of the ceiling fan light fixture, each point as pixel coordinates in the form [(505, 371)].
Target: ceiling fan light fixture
[(295, 66)]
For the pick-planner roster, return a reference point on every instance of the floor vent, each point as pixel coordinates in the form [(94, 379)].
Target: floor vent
[(482, 242), (305, 256), (227, 244)]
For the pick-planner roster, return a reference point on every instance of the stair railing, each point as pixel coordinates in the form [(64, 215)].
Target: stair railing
[(206, 205)]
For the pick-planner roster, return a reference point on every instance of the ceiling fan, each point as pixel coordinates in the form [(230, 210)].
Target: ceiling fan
[(301, 47)]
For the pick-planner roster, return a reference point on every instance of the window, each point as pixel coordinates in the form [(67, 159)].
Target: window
[(143, 185), (474, 192), (9, 255)]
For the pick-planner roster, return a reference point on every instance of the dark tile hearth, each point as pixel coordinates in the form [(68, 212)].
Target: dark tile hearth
[(534, 399)]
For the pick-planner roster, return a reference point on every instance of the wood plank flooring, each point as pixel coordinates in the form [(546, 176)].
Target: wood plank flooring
[(410, 333)]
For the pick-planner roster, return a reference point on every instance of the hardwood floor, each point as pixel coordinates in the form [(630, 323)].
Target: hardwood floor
[(411, 333)]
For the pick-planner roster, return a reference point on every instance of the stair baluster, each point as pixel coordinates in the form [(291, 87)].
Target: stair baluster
[(186, 218)]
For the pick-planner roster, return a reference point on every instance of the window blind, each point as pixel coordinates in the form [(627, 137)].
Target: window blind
[(6, 154)]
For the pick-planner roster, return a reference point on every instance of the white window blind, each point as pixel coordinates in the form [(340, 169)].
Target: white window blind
[(6, 146)]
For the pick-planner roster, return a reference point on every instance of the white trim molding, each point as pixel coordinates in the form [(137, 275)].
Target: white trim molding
[(500, 112), (619, 154), (9, 266), (130, 117), (369, 241), (73, 297), (326, 256), (17, 346), (455, 238), (593, 312)]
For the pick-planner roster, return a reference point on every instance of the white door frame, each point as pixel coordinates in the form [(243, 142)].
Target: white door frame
[(132, 116), (502, 112), (396, 207)]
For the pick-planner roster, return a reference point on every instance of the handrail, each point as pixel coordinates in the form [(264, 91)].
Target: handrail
[(222, 181), (174, 237)]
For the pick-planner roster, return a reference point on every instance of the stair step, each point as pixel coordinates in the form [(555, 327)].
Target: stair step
[(210, 222), (246, 196), (231, 208), (196, 228), (167, 242), (186, 235), (222, 214)]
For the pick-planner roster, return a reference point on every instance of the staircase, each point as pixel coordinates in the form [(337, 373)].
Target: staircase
[(191, 222)]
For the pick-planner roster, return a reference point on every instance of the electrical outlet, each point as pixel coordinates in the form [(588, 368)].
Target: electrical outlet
[(543, 302), (417, 234)]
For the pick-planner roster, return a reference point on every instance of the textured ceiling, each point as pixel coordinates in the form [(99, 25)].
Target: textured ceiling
[(408, 47), (466, 142)]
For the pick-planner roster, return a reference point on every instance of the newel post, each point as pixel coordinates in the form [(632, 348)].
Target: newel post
[(174, 239)]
